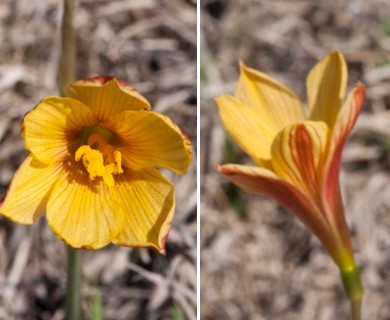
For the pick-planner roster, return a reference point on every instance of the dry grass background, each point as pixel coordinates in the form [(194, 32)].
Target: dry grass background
[(257, 261), (150, 44)]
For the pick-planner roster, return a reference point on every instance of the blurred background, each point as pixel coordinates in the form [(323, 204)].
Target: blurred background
[(150, 44), (257, 260)]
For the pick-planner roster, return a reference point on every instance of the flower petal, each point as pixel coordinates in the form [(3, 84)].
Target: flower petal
[(326, 85), (51, 127), (82, 212), (247, 128), (107, 96), (344, 124), (298, 155), (277, 105), (148, 201), (27, 194), (261, 181), (149, 139), (264, 182)]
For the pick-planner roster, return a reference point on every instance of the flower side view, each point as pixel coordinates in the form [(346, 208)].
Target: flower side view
[(92, 168), (297, 152)]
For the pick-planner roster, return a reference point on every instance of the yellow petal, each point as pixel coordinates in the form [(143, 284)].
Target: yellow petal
[(298, 155), (244, 124), (84, 213), (107, 96), (148, 202), (277, 105), (50, 129), (27, 194), (149, 139), (326, 85)]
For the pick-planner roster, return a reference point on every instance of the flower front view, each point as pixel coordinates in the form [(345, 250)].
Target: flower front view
[(92, 167), (297, 151)]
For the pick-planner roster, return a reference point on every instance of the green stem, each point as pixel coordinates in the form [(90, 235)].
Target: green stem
[(354, 289), (356, 306), (68, 48), (67, 75), (73, 295)]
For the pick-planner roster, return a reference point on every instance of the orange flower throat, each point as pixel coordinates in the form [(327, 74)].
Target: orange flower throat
[(100, 159)]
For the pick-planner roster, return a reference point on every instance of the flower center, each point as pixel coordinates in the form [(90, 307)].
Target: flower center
[(100, 159)]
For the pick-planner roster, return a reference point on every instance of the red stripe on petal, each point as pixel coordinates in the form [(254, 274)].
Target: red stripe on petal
[(297, 156), (302, 151)]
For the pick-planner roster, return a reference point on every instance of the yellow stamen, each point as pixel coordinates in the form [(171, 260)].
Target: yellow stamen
[(100, 159)]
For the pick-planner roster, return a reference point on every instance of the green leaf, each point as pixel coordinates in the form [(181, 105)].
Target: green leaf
[(96, 306), (177, 314)]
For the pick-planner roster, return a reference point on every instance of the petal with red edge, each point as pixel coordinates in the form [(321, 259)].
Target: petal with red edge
[(148, 202), (344, 124), (149, 139), (298, 155), (245, 125), (107, 96), (265, 182), (82, 212), (50, 129), (276, 104), (30, 187), (326, 85)]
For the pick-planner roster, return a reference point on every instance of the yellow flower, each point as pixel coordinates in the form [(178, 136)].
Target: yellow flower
[(297, 151), (92, 167)]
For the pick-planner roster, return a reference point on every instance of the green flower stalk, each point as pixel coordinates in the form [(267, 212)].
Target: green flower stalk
[(67, 75), (67, 72)]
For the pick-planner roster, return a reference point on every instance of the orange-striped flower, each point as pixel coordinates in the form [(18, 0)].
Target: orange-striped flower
[(92, 167), (297, 151)]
